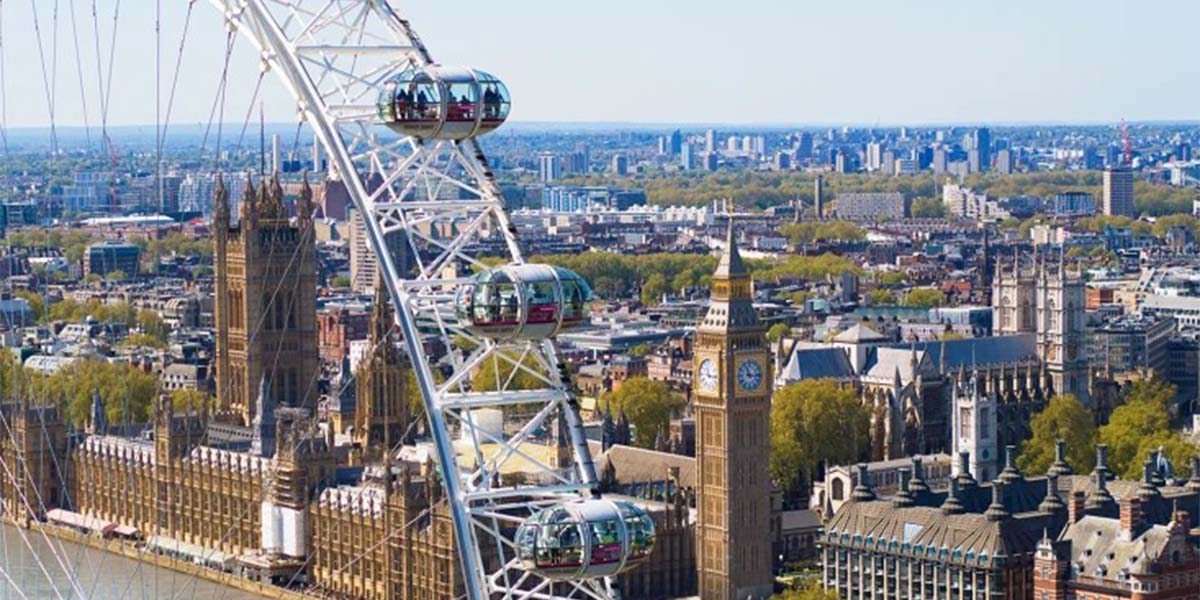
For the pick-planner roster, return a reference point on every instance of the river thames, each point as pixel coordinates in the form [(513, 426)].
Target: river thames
[(99, 575)]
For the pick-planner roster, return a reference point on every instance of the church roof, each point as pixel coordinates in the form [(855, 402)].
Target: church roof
[(858, 334), (982, 351), (817, 363), (636, 465), (889, 361)]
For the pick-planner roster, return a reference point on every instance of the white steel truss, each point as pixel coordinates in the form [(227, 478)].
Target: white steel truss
[(439, 196)]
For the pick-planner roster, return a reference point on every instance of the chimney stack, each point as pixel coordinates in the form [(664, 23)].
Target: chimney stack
[(903, 498), (863, 491), (965, 480), (1131, 518), (1060, 466), (997, 511), (952, 505), (1101, 470), (918, 484), (1075, 507)]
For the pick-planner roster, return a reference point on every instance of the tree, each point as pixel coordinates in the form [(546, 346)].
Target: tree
[(777, 331), (815, 421), (924, 297), (1175, 445), (121, 386), (928, 208), (648, 404), (1155, 391), (1143, 416), (810, 590), (640, 350), (191, 400), (36, 303), (153, 326), (1063, 418), (881, 297), (339, 281), (653, 288), (499, 368), (822, 231)]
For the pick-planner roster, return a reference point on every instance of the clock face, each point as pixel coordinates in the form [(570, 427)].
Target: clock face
[(749, 375), (708, 375)]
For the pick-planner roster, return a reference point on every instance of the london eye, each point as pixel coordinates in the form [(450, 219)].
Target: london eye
[(353, 67)]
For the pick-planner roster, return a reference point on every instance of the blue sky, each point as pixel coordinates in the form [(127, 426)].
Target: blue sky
[(694, 61)]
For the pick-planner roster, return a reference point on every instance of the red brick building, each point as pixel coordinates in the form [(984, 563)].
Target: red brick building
[(337, 328), (1102, 558)]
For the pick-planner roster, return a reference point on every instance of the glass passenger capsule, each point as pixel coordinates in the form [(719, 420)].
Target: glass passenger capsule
[(585, 539), (444, 103), (523, 302)]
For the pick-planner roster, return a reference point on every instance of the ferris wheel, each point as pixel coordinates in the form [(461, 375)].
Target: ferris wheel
[(400, 131)]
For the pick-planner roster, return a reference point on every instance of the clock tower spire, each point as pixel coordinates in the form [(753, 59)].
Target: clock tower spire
[(733, 407)]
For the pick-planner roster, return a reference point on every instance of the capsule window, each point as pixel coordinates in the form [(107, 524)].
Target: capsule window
[(560, 546), (496, 101), (606, 542), (461, 100)]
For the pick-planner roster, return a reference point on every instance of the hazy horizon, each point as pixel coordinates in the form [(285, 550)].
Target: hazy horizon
[(754, 63)]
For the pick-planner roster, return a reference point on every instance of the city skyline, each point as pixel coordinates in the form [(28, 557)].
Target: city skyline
[(770, 64)]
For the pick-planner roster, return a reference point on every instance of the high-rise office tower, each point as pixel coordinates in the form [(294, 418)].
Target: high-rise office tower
[(549, 167), (874, 156), (710, 141), (620, 165), (819, 197), (687, 157), (1004, 162), (733, 405), (676, 142), (1118, 191), (804, 146), (982, 141)]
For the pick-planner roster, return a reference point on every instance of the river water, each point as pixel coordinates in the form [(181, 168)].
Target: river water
[(98, 575)]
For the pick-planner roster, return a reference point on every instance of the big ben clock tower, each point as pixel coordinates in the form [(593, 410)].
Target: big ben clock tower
[(732, 405)]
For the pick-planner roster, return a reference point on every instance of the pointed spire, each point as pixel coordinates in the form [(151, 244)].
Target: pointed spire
[(731, 264), (262, 442), (99, 420), (249, 200), (381, 312), (220, 202), (305, 209)]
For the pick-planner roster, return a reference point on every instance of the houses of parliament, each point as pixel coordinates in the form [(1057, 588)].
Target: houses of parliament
[(254, 485)]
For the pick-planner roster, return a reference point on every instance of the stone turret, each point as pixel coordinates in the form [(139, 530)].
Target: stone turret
[(263, 440)]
